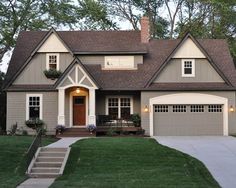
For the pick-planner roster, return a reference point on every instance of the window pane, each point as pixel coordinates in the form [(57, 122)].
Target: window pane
[(34, 112), (52, 66), (112, 102), (113, 112), (125, 102), (187, 70), (125, 112)]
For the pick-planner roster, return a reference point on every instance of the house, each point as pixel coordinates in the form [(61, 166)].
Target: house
[(179, 87)]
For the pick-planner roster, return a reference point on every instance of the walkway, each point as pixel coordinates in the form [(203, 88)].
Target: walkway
[(218, 153), (46, 182)]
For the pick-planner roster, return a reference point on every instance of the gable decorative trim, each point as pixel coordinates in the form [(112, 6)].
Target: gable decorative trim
[(76, 75)]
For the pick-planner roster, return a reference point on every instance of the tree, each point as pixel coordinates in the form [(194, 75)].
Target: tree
[(2, 104), (132, 10), (18, 15)]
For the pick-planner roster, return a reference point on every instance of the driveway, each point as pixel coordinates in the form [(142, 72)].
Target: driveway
[(218, 153)]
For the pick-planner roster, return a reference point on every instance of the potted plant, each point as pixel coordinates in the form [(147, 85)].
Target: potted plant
[(60, 129), (91, 128), (52, 73), (35, 123), (135, 118)]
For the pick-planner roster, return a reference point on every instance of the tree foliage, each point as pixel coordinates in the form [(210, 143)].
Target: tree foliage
[(2, 104), (18, 15)]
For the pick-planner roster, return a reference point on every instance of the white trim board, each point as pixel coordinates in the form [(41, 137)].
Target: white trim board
[(190, 98)]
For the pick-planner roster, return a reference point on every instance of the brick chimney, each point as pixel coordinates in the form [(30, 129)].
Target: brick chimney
[(145, 29)]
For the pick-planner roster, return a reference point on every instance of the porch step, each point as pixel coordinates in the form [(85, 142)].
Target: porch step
[(76, 132), (48, 163)]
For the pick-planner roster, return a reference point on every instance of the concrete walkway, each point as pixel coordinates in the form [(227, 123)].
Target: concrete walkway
[(218, 153), (46, 182)]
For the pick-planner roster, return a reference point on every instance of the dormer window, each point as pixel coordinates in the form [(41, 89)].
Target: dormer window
[(52, 61), (119, 62), (188, 68)]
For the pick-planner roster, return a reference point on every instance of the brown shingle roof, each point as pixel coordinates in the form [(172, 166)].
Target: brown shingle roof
[(125, 41)]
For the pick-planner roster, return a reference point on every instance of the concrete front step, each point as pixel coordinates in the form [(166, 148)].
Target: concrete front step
[(52, 154), (53, 149), (47, 164), (45, 170), (43, 175), (49, 159)]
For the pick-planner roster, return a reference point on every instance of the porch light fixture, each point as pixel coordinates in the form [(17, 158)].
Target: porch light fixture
[(78, 90), (231, 109), (146, 109)]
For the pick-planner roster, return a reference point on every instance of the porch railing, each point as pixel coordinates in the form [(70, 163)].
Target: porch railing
[(107, 120), (37, 142)]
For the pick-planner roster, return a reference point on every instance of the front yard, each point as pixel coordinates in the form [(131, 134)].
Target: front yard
[(12, 161), (131, 162)]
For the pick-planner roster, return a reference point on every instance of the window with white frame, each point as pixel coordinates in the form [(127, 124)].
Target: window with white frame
[(161, 108), (188, 67), (119, 107), (119, 62), (52, 61), (215, 108), (33, 106), (197, 108), (179, 108)]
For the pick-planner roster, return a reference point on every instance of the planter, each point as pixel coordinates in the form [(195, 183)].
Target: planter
[(52, 74)]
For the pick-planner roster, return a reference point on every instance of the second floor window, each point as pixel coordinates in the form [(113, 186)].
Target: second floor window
[(188, 68), (52, 61)]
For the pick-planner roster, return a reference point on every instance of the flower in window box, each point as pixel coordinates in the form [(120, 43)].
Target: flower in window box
[(52, 73)]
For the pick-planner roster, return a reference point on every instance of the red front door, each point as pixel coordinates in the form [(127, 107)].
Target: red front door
[(79, 110)]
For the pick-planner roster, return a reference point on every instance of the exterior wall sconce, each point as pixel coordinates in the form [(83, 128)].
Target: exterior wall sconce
[(146, 109), (78, 90), (231, 109)]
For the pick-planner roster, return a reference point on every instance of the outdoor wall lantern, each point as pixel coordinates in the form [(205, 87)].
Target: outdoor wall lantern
[(231, 109), (78, 90), (146, 109)]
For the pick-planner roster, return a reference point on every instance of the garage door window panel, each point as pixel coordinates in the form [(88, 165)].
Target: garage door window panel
[(161, 108), (179, 108), (215, 108), (197, 108)]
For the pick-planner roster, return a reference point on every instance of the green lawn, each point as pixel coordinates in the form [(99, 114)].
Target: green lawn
[(12, 161), (131, 162)]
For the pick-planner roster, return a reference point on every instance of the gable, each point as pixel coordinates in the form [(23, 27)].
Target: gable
[(188, 50), (53, 44), (76, 76), (204, 72)]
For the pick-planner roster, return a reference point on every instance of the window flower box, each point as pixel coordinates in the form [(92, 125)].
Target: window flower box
[(35, 123), (52, 73)]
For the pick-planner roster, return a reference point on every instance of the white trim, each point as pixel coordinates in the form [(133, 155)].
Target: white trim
[(41, 104), (120, 96), (190, 98), (47, 60), (71, 80), (193, 68)]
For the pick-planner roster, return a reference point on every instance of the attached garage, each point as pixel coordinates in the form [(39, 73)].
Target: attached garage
[(188, 114), (191, 120)]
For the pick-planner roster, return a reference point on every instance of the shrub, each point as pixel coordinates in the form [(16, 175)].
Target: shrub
[(35, 124), (60, 129), (135, 118), (91, 127)]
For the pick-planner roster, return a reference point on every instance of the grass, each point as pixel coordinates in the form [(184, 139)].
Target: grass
[(131, 163), (12, 160)]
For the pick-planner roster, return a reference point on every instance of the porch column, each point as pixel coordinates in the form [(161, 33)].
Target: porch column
[(92, 117), (61, 107)]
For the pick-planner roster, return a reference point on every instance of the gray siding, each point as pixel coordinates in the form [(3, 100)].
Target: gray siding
[(100, 60), (145, 96), (33, 73), (16, 110), (204, 72)]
